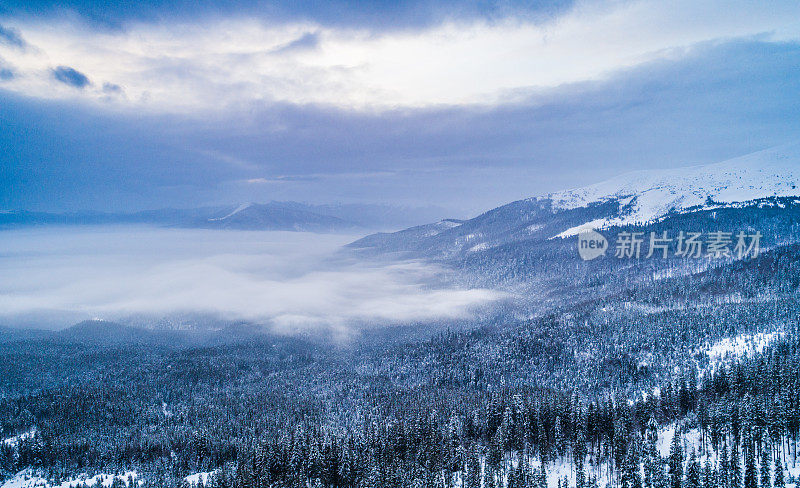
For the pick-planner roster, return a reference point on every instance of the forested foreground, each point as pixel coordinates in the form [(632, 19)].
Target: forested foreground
[(737, 426)]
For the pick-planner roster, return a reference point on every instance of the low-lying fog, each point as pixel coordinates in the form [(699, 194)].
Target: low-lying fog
[(288, 281)]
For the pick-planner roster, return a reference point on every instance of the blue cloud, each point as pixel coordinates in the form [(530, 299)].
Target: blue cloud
[(70, 76), (11, 37)]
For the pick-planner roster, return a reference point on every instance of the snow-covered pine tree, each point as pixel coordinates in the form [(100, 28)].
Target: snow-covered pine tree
[(676, 460), (693, 474)]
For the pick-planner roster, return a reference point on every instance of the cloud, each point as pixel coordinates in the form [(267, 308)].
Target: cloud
[(292, 282), (70, 76), (11, 37), (220, 63), (718, 101), (112, 88)]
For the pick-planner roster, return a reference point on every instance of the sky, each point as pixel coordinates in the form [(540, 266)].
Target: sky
[(462, 105)]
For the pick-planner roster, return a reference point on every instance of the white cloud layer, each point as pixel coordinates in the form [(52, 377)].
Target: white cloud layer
[(221, 63), (292, 282)]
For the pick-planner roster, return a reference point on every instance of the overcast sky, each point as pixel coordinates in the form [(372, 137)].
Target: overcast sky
[(465, 106)]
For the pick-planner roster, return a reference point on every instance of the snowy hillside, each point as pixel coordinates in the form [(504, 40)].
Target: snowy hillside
[(649, 195)]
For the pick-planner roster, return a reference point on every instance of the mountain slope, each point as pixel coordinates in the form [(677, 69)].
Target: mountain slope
[(763, 178)]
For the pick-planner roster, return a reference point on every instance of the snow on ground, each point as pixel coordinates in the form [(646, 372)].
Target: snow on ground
[(15, 440), (794, 473), (739, 346), (533, 228), (439, 227), (691, 441), (29, 479), (578, 229), (479, 247), (238, 209), (196, 478)]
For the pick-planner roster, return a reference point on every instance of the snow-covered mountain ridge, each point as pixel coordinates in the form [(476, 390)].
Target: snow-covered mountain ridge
[(648, 195)]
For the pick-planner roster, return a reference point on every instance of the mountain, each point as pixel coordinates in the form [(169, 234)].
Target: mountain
[(291, 216), (642, 198), (275, 216)]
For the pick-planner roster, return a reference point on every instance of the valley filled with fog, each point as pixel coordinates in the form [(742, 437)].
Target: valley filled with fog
[(290, 282)]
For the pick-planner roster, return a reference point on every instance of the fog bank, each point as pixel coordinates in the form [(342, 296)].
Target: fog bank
[(288, 281)]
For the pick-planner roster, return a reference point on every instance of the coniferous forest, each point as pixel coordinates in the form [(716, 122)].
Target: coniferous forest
[(664, 383)]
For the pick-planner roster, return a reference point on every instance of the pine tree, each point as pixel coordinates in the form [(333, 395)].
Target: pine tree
[(750, 468), (631, 472), (709, 480), (724, 467), (693, 472), (559, 438), (676, 461), (472, 477), (779, 482), (653, 466), (579, 453), (488, 477), (542, 477), (766, 476), (735, 469)]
